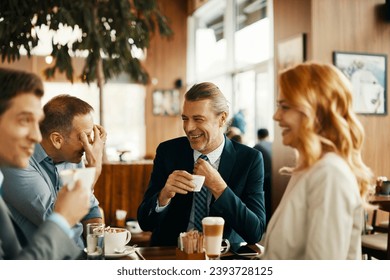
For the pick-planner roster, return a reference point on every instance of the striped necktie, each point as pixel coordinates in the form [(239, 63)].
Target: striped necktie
[(200, 203)]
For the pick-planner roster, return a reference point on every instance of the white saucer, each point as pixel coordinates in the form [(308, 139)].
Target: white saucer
[(129, 250)]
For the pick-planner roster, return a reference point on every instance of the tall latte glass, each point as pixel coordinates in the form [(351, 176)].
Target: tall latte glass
[(213, 231)]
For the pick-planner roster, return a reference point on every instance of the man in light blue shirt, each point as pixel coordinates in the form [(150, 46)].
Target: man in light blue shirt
[(68, 131)]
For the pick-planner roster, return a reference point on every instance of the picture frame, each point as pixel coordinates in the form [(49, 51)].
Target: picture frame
[(166, 102), (368, 75), (291, 51)]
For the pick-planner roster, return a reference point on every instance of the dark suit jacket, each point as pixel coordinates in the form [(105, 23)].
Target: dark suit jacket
[(266, 152), (241, 204), (49, 242)]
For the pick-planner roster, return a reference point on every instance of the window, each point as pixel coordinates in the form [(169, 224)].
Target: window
[(231, 45)]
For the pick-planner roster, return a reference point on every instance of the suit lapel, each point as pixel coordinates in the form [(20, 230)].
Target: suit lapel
[(228, 159), (188, 158)]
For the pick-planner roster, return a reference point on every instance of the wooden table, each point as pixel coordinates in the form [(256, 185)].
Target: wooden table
[(383, 201), (169, 253), (142, 239)]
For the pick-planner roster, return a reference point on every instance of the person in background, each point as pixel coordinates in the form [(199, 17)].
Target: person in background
[(20, 114), (265, 147), (234, 133), (233, 176), (237, 138), (68, 132), (321, 212), (239, 121)]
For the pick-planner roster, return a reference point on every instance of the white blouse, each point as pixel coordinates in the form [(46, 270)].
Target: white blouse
[(320, 215)]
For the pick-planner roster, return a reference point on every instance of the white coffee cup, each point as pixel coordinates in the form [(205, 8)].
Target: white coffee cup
[(213, 231), (86, 175), (115, 239), (198, 180)]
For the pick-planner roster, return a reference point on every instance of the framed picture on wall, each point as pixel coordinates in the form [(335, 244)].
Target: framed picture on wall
[(166, 102), (291, 51), (367, 73)]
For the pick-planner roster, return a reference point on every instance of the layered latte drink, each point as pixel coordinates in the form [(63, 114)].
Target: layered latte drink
[(212, 231)]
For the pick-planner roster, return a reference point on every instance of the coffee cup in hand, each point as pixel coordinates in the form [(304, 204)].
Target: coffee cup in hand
[(198, 180), (86, 175)]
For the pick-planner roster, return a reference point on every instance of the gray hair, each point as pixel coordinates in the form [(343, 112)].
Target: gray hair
[(210, 91)]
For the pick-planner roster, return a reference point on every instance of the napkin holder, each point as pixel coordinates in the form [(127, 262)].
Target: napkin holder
[(181, 255)]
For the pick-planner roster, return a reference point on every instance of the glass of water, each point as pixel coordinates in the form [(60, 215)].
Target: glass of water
[(95, 241)]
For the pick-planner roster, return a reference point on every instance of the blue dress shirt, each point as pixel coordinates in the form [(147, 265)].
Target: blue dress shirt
[(31, 193)]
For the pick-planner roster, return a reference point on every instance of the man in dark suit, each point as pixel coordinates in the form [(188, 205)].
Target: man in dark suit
[(265, 147), (233, 176), (20, 114)]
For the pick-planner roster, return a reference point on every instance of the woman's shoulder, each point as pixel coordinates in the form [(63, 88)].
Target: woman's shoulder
[(332, 162), (333, 168)]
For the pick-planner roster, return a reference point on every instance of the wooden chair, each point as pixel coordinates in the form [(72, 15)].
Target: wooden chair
[(377, 244), (381, 227)]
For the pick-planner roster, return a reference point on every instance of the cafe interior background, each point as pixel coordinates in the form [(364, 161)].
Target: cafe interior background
[(240, 45)]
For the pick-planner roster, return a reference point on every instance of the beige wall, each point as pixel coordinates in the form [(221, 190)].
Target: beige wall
[(336, 25)]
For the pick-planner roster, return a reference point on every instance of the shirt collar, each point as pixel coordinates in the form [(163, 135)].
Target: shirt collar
[(39, 153), (214, 155)]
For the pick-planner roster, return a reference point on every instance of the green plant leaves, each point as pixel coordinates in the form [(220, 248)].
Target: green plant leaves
[(110, 30)]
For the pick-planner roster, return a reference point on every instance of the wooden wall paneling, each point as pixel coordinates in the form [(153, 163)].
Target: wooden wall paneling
[(119, 190), (102, 190), (136, 185), (290, 18), (166, 62), (122, 186), (357, 26)]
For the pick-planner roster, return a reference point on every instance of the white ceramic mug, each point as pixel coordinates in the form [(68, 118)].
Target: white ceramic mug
[(115, 239)]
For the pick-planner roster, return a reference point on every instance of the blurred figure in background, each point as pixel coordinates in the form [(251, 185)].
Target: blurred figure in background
[(265, 147), (234, 133), (239, 121), (320, 215)]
